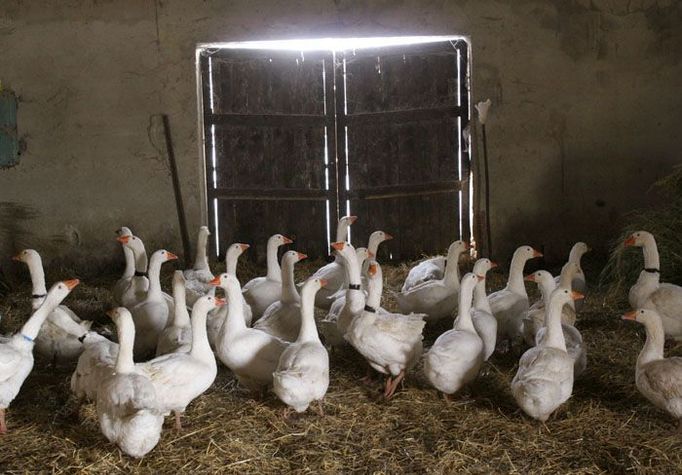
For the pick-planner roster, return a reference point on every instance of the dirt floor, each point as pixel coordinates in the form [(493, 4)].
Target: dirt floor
[(605, 427)]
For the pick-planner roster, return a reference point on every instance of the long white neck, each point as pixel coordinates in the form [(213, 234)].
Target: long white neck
[(126, 339), (374, 240), (515, 281), (129, 270), (201, 349), (35, 268), (342, 230), (274, 271), (235, 310), (308, 331), (352, 269), (481, 301), (463, 321), (231, 262), (655, 340), (651, 257), (180, 314), (452, 268), (289, 292), (547, 286), (33, 324), (555, 335), (154, 275), (140, 258), (375, 287), (201, 259), (576, 255)]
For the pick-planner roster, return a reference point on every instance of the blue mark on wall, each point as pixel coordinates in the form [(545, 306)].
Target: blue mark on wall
[(9, 140)]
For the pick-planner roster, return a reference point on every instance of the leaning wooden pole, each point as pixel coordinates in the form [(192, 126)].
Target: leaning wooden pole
[(170, 155)]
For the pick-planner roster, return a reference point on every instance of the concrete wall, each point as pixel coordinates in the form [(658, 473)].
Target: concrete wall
[(586, 107)]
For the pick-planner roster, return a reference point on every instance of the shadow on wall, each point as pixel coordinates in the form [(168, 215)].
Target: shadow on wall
[(15, 221)]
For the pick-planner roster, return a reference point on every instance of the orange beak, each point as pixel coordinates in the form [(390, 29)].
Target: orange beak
[(219, 302), (215, 281), (301, 256), (170, 256), (244, 247), (493, 264), (372, 269), (352, 219), (536, 253), (338, 246), (123, 239), (629, 241), (286, 240), (387, 237), (110, 313), (632, 315), (480, 277), (530, 278), (370, 254), (577, 295), (323, 282), (17, 258), (71, 284)]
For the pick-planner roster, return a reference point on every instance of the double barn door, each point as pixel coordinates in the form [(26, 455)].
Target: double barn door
[(294, 140)]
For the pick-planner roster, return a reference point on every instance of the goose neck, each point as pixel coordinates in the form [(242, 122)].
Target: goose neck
[(201, 259), (129, 257), (274, 270), (651, 256), (201, 349), (126, 336), (289, 292), (154, 278), (555, 335), (654, 344), (35, 269), (515, 281), (481, 301), (308, 331)]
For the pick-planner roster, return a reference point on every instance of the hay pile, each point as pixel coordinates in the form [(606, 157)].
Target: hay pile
[(665, 223), (605, 427)]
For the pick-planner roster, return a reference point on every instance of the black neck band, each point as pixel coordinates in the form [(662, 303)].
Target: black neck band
[(140, 274), (38, 296), (652, 270), (370, 309), (354, 286)]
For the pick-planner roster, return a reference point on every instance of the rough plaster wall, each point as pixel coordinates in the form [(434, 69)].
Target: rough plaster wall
[(586, 107)]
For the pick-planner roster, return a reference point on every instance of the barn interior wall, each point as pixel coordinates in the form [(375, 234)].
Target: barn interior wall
[(586, 107)]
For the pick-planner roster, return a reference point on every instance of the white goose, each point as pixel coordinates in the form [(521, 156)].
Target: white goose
[(139, 284), (658, 378), (544, 379), (436, 298), (198, 277), (650, 293), (362, 254), (431, 269), (375, 239), (283, 318), (534, 318), (127, 405), (456, 356), (578, 282), (482, 316), (333, 273), (179, 378), (334, 325), (94, 364), (128, 273), (217, 317), (251, 354), (16, 353), (52, 342), (151, 315), (262, 292), (302, 373), (390, 342), (510, 304), (177, 336)]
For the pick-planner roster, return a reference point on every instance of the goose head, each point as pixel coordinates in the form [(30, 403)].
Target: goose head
[(204, 231), (342, 227), (561, 296), (540, 277), (279, 240), (119, 314), (469, 281), (164, 255), (131, 242), (206, 303), (313, 285), (27, 256), (580, 248), (293, 257), (526, 253), (482, 266), (228, 283), (344, 250), (642, 315), (639, 239), (123, 231), (235, 250), (60, 290)]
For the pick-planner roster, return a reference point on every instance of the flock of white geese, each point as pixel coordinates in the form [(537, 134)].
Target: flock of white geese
[(266, 332)]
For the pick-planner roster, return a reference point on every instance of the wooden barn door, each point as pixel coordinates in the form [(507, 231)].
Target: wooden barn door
[(267, 164), (403, 119)]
